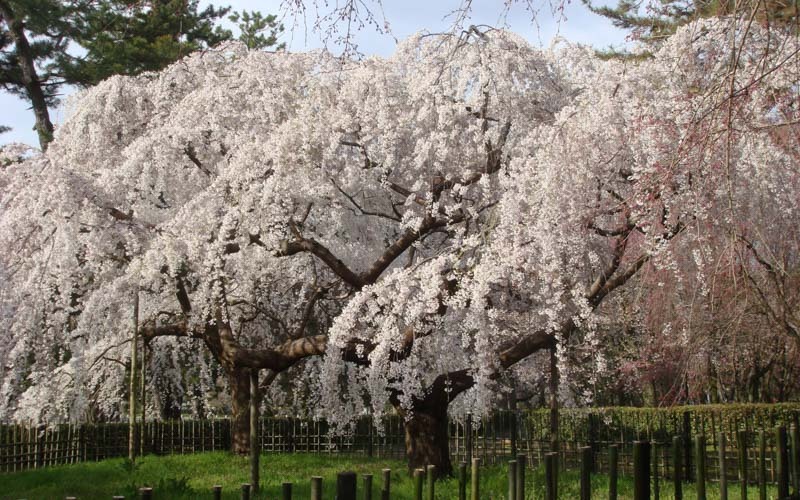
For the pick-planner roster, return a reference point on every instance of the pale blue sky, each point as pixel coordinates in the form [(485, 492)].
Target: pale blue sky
[(575, 23)]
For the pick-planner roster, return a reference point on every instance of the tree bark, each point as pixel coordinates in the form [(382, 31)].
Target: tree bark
[(427, 439), (30, 79), (239, 381)]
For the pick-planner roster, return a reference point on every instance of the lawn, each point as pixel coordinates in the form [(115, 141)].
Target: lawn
[(191, 476)]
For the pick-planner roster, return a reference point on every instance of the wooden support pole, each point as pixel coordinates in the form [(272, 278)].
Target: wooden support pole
[(783, 462), (367, 478), (723, 470), (522, 461), (700, 460), (216, 492), (762, 465), (255, 452), (677, 470), (613, 471), (132, 392), (641, 470), (551, 476), (741, 448)]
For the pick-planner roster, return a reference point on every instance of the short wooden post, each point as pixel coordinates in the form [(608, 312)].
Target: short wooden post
[(586, 471), (677, 485), (654, 464), (723, 471), (783, 462), (522, 461), (512, 480), (551, 476), (794, 458), (216, 492), (316, 488), (762, 465), (613, 461), (367, 478), (387, 484), (700, 459), (687, 445), (118, 497), (346, 486), (741, 448), (462, 481), (431, 470), (286, 491), (419, 475), (146, 493), (641, 470), (476, 481), (245, 491)]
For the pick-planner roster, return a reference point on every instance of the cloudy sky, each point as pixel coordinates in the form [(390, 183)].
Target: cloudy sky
[(405, 17)]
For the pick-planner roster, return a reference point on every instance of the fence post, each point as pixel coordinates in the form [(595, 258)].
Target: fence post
[(462, 481), (586, 466), (677, 485), (514, 418), (522, 461), (387, 481), (468, 436), (512, 480), (146, 493), (613, 460), (367, 486), (551, 475), (723, 476), (782, 465), (245, 491), (216, 492), (593, 425), (431, 470), (476, 479), (316, 488), (687, 440), (762, 465), (742, 452), (346, 486), (286, 491), (419, 474), (795, 458), (700, 458), (641, 470)]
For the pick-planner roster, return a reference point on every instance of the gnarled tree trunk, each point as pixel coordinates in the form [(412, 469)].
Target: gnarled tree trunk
[(427, 434), (239, 381)]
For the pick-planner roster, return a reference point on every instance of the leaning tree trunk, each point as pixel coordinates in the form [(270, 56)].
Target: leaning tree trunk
[(239, 381), (427, 435)]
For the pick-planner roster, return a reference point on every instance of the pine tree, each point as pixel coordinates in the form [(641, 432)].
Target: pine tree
[(39, 40)]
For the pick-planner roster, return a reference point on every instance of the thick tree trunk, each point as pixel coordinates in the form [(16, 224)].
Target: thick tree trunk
[(427, 440), (239, 381), (426, 431)]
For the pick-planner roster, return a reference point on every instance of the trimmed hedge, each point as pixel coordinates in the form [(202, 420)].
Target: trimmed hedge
[(625, 424)]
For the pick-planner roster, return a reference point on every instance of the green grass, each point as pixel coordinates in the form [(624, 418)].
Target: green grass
[(191, 476)]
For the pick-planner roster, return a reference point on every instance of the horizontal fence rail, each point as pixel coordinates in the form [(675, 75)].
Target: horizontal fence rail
[(494, 439)]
